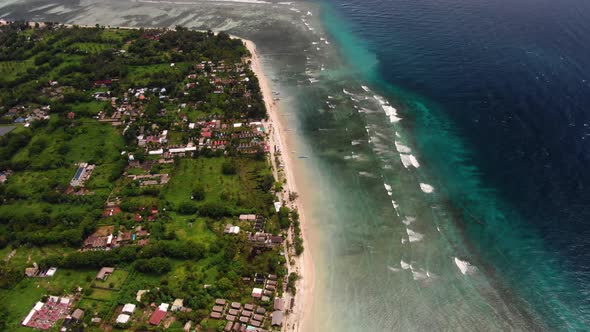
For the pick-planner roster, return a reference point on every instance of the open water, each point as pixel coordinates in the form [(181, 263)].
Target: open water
[(444, 143)]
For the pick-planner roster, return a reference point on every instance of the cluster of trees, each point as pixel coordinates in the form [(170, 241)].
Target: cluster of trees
[(33, 227), (297, 232), (11, 143), (129, 254), (158, 265)]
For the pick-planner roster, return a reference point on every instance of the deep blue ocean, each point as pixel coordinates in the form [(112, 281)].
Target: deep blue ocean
[(498, 93)]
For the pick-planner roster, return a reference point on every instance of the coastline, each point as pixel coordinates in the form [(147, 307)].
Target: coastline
[(298, 317)]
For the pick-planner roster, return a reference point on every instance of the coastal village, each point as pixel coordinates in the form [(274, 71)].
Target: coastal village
[(137, 187)]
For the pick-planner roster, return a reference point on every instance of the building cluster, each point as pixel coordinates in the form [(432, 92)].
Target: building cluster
[(82, 174), (27, 114), (99, 240), (44, 314), (238, 317), (262, 239), (36, 272), (265, 287), (4, 176)]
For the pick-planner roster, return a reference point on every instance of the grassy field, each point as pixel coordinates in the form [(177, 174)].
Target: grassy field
[(25, 256), (190, 228), (90, 48), (203, 173), (9, 70), (117, 279)]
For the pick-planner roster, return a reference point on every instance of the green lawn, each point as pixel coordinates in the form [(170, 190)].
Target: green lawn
[(190, 228), (9, 70), (101, 294), (91, 48), (202, 172), (116, 279)]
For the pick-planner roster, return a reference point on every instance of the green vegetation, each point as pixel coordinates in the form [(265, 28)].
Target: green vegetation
[(139, 142)]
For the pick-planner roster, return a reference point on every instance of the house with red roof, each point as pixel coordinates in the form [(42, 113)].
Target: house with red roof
[(157, 317)]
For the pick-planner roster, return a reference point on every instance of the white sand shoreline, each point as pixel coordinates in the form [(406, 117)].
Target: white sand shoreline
[(296, 320)]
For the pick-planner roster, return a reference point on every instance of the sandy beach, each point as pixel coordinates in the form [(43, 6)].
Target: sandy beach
[(297, 317)]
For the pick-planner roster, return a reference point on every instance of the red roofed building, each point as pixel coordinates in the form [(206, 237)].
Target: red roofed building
[(205, 132), (157, 317), (103, 83)]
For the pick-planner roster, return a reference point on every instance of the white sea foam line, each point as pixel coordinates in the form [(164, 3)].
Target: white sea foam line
[(366, 174), (414, 161), (464, 266), (408, 220), (393, 269), (388, 188), (395, 207), (419, 275), (365, 88), (426, 188), (405, 158), (414, 236), (391, 113), (404, 265), (402, 148)]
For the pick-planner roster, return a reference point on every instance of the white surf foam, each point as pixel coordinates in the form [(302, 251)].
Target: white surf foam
[(367, 174), (408, 220), (395, 206), (465, 267), (393, 269), (414, 236), (391, 113), (365, 88), (402, 148), (406, 161), (380, 99), (426, 188), (346, 92), (419, 275), (404, 265), (388, 188), (414, 161)]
